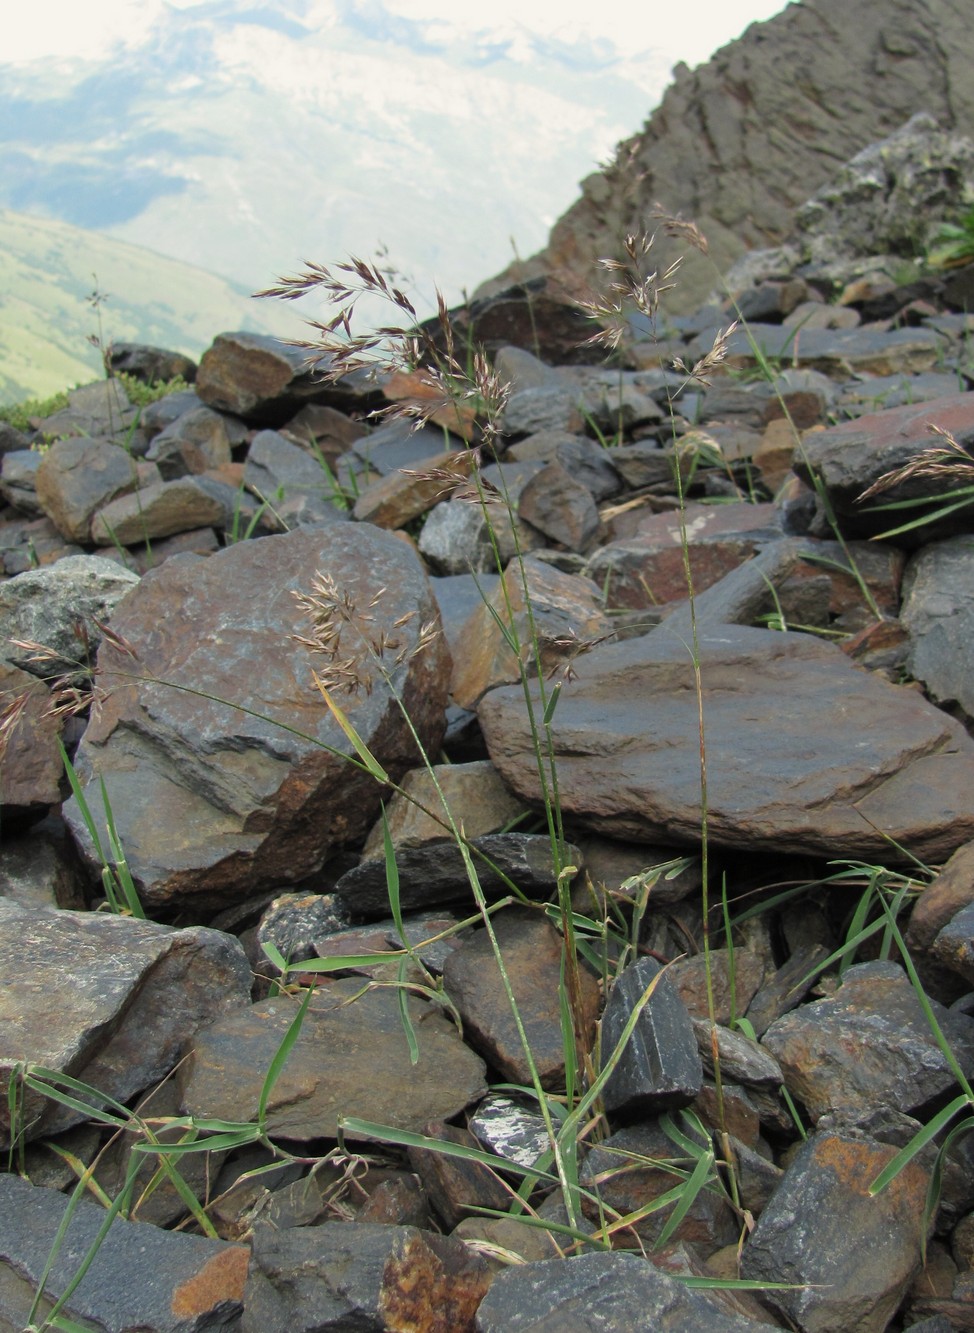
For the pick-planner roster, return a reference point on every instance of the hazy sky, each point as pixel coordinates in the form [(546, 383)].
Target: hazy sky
[(90, 28)]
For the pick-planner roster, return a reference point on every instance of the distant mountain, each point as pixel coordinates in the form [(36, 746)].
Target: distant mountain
[(245, 137), (48, 272)]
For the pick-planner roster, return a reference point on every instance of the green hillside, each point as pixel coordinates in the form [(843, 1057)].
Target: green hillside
[(48, 271)]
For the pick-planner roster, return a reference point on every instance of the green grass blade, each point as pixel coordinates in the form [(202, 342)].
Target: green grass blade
[(698, 1179), (404, 1016), (280, 1058), (918, 1143), (392, 878)]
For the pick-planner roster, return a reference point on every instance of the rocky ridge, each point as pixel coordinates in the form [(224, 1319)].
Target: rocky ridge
[(245, 619)]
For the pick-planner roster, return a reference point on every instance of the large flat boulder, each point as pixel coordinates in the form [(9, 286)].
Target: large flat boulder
[(224, 768), (805, 752)]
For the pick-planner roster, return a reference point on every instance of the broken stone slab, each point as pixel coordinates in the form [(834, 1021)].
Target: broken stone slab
[(805, 751), (436, 872), (533, 957), (787, 988), (459, 538), (512, 1131), (57, 606), (18, 481), (850, 457), (160, 510), (473, 792), (614, 1293), (659, 1068), (456, 1186), (399, 497), (839, 353), (851, 1255), (586, 460), (649, 568), (361, 1275), (130, 996), (561, 508), (76, 477), (868, 1046), (257, 377), (938, 612), (351, 1058), (195, 442), (954, 945), (940, 901), (741, 1060), (141, 1277), (36, 869), (565, 609), (245, 769), (98, 410), (289, 478), (31, 769)]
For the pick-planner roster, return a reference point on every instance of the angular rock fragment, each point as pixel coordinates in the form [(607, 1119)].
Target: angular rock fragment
[(160, 510), (455, 1185), (30, 763), (141, 1277), (851, 1255), (77, 477), (532, 952), (614, 1293), (805, 752), (361, 1275), (57, 607), (938, 612), (659, 1068), (351, 1058), (130, 997), (223, 735), (868, 1046)]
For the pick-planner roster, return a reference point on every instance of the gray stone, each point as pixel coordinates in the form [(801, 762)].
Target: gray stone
[(194, 442), (257, 377), (474, 794), (31, 768), (279, 471), (561, 508), (245, 769), (101, 409), (659, 1068), (457, 538), (868, 1046), (58, 606), (850, 1255), (587, 461), (938, 612), (614, 1293), (295, 921), (532, 951), (18, 481), (346, 1276), (141, 1277), (351, 1058), (954, 945), (435, 872), (130, 996), (852, 456), (799, 742), (78, 477), (160, 510), (510, 1130), (741, 1060), (151, 365)]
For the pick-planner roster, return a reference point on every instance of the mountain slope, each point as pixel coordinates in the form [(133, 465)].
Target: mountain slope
[(48, 271)]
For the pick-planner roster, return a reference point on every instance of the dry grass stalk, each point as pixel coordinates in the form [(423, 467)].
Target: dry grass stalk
[(631, 288), (948, 462)]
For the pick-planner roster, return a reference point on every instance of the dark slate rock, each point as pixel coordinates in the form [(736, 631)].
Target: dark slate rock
[(241, 803), (741, 1060), (954, 946), (346, 1276), (587, 461), (194, 442), (644, 464), (36, 869), (351, 1058), (141, 1277), (156, 416), (938, 611), (18, 481), (787, 988), (456, 1186), (257, 377), (151, 365), (868, 1046), (78, 477), (532, 950), (130, 996), (295, 921), (98, 410), (291, 480), (614, 1293), (561, 508), (436, 872), (459, 539), (851, 1255), (796, 738), (31, 771), (852, 456), (660, 1067)]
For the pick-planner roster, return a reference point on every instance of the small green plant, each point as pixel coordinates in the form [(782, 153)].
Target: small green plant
[(141, 394), (953, 243), (23, 415)]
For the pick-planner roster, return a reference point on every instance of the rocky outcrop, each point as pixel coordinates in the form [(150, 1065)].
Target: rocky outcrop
[(739, 143)]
